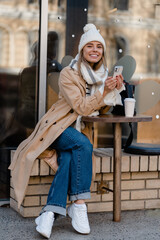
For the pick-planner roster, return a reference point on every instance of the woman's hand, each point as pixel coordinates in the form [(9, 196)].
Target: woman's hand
[(119, 79), (110, 84)]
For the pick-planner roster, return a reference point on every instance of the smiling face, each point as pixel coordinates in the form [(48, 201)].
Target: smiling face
[(93, 52)]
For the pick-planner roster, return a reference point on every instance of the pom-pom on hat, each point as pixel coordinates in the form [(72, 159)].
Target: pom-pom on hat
[(90, 34)]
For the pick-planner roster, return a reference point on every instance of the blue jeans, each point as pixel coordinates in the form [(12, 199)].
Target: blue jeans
[(74, 173)]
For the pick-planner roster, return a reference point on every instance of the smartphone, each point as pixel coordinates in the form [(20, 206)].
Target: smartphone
[(117, 70)]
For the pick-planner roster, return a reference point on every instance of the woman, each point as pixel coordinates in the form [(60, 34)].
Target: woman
[(85, 88)]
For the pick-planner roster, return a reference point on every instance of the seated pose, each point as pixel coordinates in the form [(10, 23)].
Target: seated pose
[(85, 89)]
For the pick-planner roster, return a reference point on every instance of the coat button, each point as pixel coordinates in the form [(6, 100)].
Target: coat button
[(71, 111), (41, 139), (46, 121)]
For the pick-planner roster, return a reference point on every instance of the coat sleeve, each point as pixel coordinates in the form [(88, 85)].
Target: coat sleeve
[(70, 89)]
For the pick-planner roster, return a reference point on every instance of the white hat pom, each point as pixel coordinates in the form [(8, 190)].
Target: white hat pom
[(90, 34), (89, 26)]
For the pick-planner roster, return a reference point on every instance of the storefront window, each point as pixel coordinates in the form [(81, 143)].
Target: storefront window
[(137, 36), (64, 31), (19, 27)]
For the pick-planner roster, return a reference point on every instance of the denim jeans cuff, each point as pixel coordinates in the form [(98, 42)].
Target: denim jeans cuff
[(55, 209), (85, 195)]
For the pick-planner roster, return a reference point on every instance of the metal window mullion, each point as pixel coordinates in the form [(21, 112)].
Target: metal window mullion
[(42, 58)]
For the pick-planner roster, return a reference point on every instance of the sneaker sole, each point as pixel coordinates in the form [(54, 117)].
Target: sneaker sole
[(42, 233), (78, 230)]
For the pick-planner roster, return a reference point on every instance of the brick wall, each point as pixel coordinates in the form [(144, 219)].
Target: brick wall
[(140, 184)]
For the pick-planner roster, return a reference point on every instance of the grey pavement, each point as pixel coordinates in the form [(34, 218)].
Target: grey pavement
[(138, 225)]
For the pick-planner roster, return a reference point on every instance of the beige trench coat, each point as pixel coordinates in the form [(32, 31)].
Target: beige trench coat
[(72, 102)]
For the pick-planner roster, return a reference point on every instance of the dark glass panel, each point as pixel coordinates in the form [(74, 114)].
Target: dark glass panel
[(18, 76)]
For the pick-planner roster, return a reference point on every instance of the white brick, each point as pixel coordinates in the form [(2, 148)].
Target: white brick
[(35, 169), (108, 176), (31, 201), (144, 194), (112, 163), (125, 163), (152, 204), (153, 183), (144, 175), (144, 163), (98, 163), (34, 180), (158, 163), (125, 195), (47, 179), (132, 205), (100, 207), (25, 211), (38, 189), (135, 163), (106, 164), (107, 197), (134, 184), (44, 168), (31, 211), (153, 163)]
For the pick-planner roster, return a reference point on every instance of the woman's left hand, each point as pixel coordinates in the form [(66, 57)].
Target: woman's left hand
[(119, 79)]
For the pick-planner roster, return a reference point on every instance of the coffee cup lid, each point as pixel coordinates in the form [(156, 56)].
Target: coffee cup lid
[(130, 99)]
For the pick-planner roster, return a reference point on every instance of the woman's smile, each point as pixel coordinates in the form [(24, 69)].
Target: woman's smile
[(93, 52)]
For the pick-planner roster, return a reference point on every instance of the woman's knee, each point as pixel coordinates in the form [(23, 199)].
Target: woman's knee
[(85, 143), (64, 158)]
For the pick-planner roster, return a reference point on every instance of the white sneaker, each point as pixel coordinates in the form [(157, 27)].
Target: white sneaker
[(37, 220), (45, 223), (79, 218)]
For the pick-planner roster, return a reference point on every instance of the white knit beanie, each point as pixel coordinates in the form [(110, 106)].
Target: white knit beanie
[(90, 34)]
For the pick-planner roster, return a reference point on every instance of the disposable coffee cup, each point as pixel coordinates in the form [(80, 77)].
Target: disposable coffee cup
[(129, 105)]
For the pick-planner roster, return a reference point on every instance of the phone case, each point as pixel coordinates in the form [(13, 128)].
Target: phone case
[(117, 70)]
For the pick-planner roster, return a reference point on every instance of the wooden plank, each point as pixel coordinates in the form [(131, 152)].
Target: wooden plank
[(117, 173), (115, 118)]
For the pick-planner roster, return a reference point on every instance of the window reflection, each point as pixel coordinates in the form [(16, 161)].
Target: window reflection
[(17, 36), (122, 4), (26, 113), (138, 36), (53, 68), (19, 26), (121, 47), (135, 35), (119, 4)]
